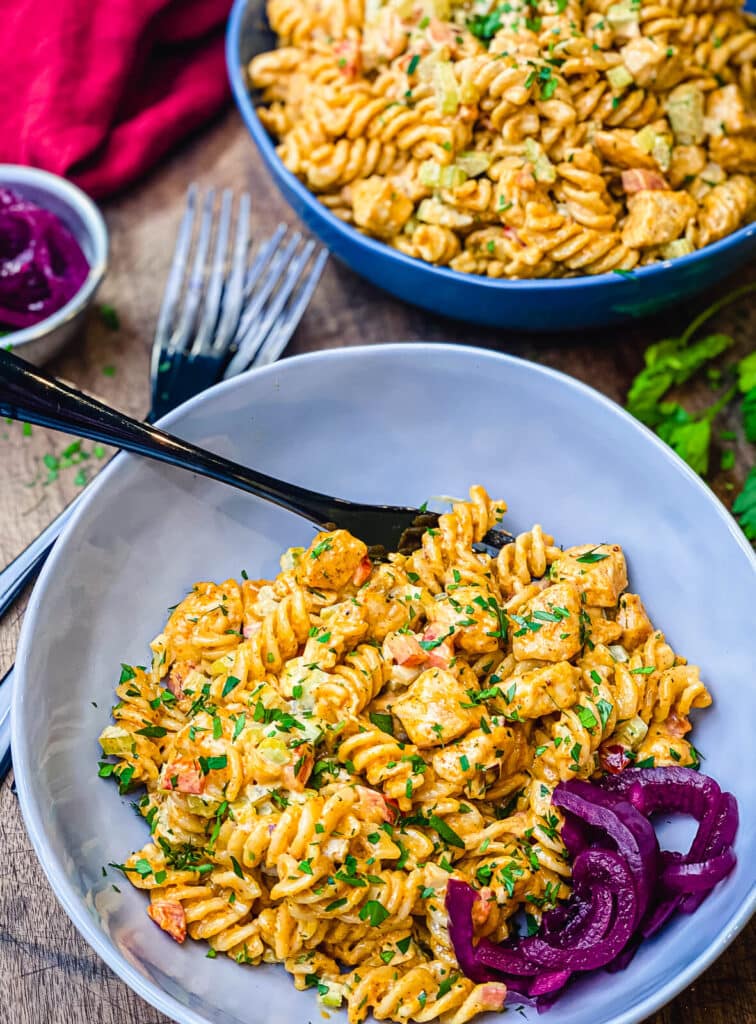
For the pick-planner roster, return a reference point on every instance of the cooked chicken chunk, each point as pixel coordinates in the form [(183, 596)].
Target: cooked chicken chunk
[(598, 571), (331, 560), (432, 710), (687, 162), (652, 65), (725, 108), (635, 623), (379, 207), (548, 629), (539, 691), (657, 217), (475, 621), (479, 751), (619, 149)]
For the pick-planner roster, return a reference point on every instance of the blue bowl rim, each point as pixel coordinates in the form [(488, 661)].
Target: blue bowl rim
[(64, 889), (379, 249), (18, 176)]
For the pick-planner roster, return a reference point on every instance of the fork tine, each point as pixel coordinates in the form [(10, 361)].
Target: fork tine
[(263, 256), (252, 341), (173, 285), (213, 290), (278, 261), (289, 318), (194, 290), (233, 293)]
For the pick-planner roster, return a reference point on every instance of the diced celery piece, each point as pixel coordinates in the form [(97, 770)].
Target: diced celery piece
[(446, 87), (468, 93), (433, 175), (618, 652), (274, 750), (645, 139), (473, 163), (543, 169), (429, 173), (201, 806), (116, 741), (685, 109), (662, 152), (680, 247), (630, 733), (433, 211), (452, 177), (622, 16), (619, 77), (334, 995)]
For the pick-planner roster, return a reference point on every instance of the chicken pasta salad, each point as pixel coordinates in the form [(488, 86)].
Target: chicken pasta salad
[(323, 754), (530, 138)]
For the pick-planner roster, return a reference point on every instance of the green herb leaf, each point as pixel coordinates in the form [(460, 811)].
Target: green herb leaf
[(747, 372), (336, 904), (604, 709), (587, 717), (592, 556), (374, 913), (229, 685), (485, 26), (690, 438), (109, 316), (383, 721), (446, 832), (429, 645), (155, 731), (670, 363)]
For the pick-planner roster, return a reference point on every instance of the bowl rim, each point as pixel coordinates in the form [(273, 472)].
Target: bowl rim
[(64, 889), (18, 175), (378, 249)]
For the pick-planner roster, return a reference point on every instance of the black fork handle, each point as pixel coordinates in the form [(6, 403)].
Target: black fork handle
[(26, 393)]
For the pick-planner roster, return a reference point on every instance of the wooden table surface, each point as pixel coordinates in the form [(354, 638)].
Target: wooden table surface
[(48, 975)]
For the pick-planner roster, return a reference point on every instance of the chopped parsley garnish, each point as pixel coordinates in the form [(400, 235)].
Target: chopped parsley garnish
[(594, 555), (382, 721), (446, 832), (374, 913), (229, 685)]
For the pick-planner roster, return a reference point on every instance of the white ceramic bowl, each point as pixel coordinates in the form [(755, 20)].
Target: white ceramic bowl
[(394, 423), (41, 341)]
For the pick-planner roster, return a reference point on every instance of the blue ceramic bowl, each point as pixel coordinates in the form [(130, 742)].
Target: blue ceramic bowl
[(143, 534), (545, 305)]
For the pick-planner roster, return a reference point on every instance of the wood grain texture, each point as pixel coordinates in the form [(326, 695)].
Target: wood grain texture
[(48, 975)]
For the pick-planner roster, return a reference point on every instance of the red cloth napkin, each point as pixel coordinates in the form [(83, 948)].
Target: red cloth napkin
[(99, 90)]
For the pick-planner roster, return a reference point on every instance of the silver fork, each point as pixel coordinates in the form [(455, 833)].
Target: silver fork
[(220, 315)]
